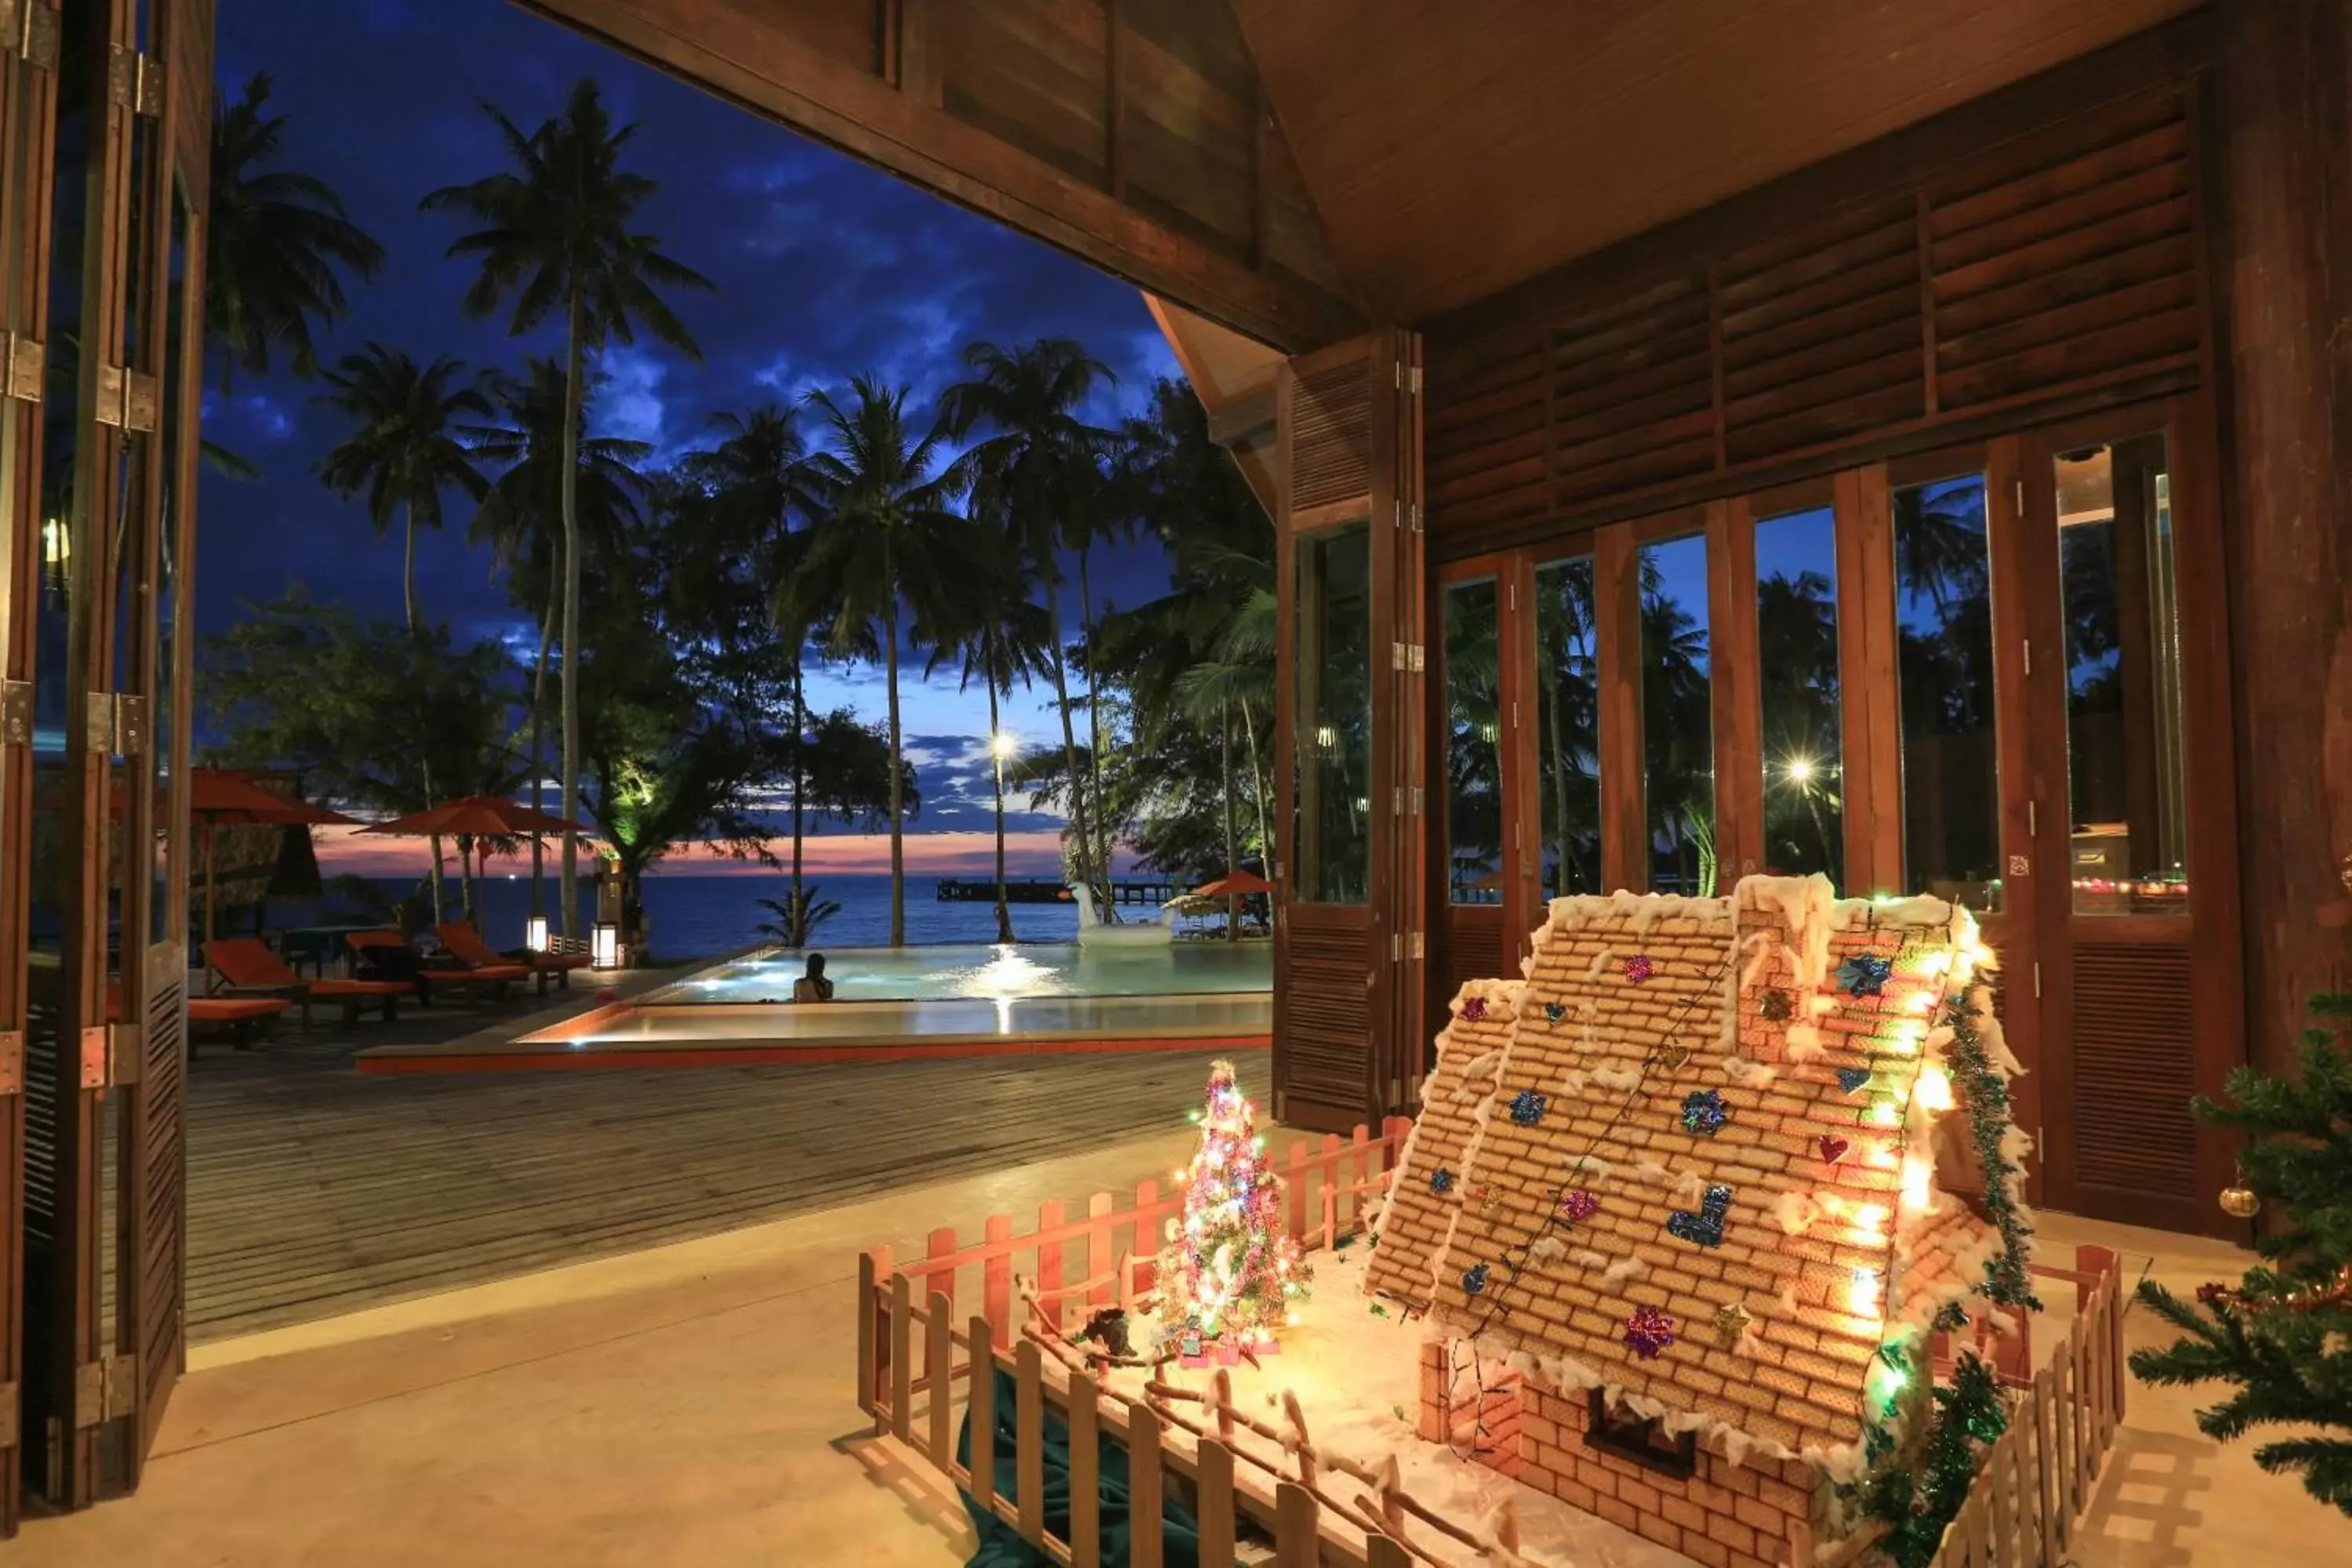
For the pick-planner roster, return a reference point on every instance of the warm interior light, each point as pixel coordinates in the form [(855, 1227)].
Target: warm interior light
[(1935, 1089), (534, 934), (606, 953), (1865, 1294), (1917, 1178)]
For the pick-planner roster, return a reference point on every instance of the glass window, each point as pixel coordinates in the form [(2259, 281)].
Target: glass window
[(1568, 728), (1797, 669), (1944, 665), (1333, 717), (2127, 810), (1677, 718), (1474, 828)]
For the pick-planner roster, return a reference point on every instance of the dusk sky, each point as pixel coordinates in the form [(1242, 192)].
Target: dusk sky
[(825, 267)]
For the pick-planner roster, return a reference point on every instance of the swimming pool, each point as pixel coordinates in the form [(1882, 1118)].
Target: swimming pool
[(990, 973)]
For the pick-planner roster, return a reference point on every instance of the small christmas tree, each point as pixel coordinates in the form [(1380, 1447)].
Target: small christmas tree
[(1229, 1275), (2284, 1334)]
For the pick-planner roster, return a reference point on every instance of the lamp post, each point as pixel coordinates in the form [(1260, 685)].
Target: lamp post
[(606, 953), (534, 934)]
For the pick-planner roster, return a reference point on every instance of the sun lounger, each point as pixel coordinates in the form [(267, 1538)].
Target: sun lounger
[(245, 966), (239, 1017), (474, 979), (461, 938)]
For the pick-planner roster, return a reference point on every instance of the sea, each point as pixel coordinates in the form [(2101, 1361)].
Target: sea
[(691, 915)]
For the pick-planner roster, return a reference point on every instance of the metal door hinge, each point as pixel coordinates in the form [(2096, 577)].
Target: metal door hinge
[(105, 1390), (12, 1061), (2033, 819), (1416, 947), (11, 1413), (1416, 381), (2037, 979), (1413, 511), (1418, 797), (16, 712), (134, 81), (2021, 498), (30, 29), (2029, 656), (1397, 800), (1416, 658), (1396, 656), (27, 363), (127, 399), (110, 1054), (118, 724), (1396, 948)]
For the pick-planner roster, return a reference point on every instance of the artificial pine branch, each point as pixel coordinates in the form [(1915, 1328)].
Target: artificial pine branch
[(2284, 1334)]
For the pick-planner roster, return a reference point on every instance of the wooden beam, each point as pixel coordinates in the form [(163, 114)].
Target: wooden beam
[(1115, 96), (1243, 417), (754, 60), (1617, 623), (1737, 699)]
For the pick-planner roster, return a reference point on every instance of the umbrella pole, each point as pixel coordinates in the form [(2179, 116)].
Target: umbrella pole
[(208, 886)]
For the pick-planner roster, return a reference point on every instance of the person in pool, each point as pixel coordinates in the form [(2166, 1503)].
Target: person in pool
[(813, 986)]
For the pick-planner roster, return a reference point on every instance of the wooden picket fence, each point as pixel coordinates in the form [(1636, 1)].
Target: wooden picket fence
[(916, 1360), (2027, 1505)]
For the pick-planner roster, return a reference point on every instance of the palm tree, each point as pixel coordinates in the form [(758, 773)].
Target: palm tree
[(1002, 640), (405, 448), (273, 241), (522, 518), (557, 238), (1041, 461), (885, 542)]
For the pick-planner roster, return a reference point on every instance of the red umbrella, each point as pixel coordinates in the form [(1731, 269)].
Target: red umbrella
[(477, 817), (1240, 884), (218, 799)]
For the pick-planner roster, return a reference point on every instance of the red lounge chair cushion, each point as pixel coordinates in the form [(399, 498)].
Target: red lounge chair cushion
[(247, 960), (486, 971), (561, 961), (361, 988), (232, 1009)]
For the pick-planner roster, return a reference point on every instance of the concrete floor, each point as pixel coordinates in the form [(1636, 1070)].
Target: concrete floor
[(692, 1405)]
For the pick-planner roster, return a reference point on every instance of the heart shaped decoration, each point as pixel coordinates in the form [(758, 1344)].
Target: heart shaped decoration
[(1832, 1148), (1853, 1078)]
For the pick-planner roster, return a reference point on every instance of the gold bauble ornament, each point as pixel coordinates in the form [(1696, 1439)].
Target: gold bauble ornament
[(2239, 1203)]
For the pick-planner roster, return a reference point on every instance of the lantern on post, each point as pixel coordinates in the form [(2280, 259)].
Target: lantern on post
[(606, 953), (534, 934)]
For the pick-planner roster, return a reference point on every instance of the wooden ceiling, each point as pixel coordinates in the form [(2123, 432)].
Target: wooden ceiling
[(1453, 149)]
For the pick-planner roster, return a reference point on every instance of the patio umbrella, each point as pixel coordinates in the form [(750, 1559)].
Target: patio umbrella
[(1237, 885), (219, 798), (477, 817)]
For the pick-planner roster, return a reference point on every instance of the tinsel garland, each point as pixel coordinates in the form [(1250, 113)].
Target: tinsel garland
[(1984, 1094), (1916, 1501)]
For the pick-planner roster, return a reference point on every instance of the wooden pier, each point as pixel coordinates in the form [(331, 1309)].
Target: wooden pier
[(1043, 890)]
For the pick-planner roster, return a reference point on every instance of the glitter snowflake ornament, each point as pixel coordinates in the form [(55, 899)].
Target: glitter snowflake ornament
[(1528, 1107), (1703, 1112), (1774, 1005), (1639, 968), (1579, 1207), (1473, 1280), (1555, 1011), (1474, 1009), (1648, 1332), (1440, 1180), (1864, 975)]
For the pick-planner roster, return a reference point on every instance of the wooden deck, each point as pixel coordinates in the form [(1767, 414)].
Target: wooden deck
[(313, 1191)]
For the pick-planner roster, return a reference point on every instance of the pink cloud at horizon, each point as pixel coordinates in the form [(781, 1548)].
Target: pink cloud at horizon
[(1032, 853)]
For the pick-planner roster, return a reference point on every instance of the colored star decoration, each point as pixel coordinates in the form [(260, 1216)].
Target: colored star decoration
[(1579, 1207), (1731, 1322), (1774, 1005), (1864, 975), (1639, 968), (1528, 1108), (1648, 1332), (1704, 1111), (1474, 1008)]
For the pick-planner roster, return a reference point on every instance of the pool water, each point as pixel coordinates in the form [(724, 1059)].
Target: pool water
[(993, 973)]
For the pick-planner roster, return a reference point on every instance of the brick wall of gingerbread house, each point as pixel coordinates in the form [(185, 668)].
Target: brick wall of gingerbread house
[(1722, 1515)]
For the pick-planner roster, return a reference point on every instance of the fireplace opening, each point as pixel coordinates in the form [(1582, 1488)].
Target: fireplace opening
[(1613, 1429)]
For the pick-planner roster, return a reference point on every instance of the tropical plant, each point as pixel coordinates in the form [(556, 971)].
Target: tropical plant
[(274, 240), (1040, 463), (557, 239), (886, 543), (793, 919), (405, 449), (521, 518)]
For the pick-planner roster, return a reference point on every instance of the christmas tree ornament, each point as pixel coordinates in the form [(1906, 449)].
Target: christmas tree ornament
[(1473, 1280), (1108, 1329), (1528, 1108), (1864, 975), (1672, 1058), (1730, 1323), (1490, 1197), (1774, 1006), (2239, 1201), (1703, 1112), (1950, 1317), (1232, 1274), (1705, 1227), (1440, 1180), (1648, 1332), (1832, 1148), (1474, 1009), (1555, 1011), (1639, 968), (1851, 1080), (1579, 1207)]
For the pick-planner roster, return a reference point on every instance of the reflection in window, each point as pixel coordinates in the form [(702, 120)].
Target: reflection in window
[(1677, 718), (1943, 611), (1333, 831), (1473, 744), (1797, 667), (1568, 726), (2123, 679)]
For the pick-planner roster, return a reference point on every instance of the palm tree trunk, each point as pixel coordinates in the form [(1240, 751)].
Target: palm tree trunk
[(1257, 790), (570, 883), (897, 779), (1003, 913), (1093, 724), (538, 754), (1069, 734), (799, 922), (408, 603), (1232, 862)]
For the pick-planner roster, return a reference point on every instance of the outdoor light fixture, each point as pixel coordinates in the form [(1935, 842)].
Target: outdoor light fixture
[(607, 951), (534, 934), (1798, 769)]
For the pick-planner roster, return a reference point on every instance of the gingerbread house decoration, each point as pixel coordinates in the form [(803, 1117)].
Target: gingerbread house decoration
[(1671, 1213)]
